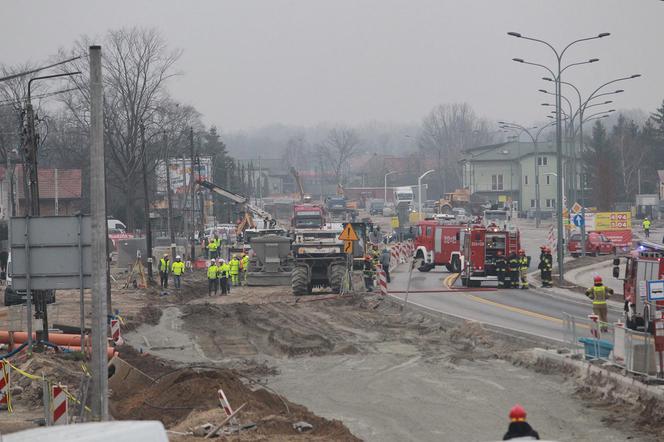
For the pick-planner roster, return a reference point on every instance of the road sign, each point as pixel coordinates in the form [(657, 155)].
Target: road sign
[(655, 290), (578, 219), (348, 247), (576, 208), (348, 234)]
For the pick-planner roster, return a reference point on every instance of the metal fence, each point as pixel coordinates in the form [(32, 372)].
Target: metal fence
[(632, 350)]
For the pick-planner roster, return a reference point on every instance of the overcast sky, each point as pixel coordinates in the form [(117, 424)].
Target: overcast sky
[(249, 63)]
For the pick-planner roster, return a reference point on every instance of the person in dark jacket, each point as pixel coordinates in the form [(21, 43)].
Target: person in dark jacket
[(519, 428), (385, 258), (501, 268), (513, 265)]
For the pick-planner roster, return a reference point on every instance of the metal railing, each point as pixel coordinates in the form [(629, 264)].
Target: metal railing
[(629, 349)]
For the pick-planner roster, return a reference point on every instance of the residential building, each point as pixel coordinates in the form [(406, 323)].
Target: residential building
[(506, 173), (59, 192)]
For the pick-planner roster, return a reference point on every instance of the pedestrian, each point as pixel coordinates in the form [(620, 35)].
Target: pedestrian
[(513, 264), (519, 428), (178, 270), (501, 269), (546, 266), (368, 273), (385, 258), (244, 266), (164, 270), (234, 270), (223, 276), (213, 277), (599, 293), (523, 269), (646, 227)]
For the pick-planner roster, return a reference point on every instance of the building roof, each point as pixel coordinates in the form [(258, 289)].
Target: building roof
[(508, 151), (69, 183)]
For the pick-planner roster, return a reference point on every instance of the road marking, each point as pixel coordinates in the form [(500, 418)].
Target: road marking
[(516, 309)]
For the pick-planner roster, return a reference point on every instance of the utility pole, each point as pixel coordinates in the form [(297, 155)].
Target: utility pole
[(192, 253), (99, 253), (148, 223), (169, 199)]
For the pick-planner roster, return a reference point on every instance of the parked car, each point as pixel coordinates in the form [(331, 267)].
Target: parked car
[(376, 207), (596, 244)]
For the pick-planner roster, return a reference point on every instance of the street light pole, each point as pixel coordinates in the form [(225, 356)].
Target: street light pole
[(419, 193), (385, 185)]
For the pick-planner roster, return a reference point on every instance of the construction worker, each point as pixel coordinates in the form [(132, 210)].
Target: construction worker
[(164, 270), (213, 277), (385, 258), (368, 273), (513, 265), (224, 269), (244, 266), (519, 428), (646, 227), (545, 266), (501, 268), (234, 270), (212, 247), (599, 293), (523, 270), (178, 270)]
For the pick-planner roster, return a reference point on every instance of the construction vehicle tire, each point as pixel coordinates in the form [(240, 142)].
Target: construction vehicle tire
[(300, 281), (336, 277)]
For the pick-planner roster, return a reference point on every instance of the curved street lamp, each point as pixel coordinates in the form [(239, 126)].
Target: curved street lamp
[(419, 192)]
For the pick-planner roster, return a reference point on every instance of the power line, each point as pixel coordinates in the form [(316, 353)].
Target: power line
[(11, 77), (45, 95)]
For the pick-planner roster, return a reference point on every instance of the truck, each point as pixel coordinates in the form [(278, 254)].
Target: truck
[(319, 260), (480, 246), (438, 243), (308, 216), (646, 263), (336, 205), (403, 196)]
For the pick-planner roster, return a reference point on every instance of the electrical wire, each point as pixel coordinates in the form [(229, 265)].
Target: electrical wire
[(22, 74), (45, 95)]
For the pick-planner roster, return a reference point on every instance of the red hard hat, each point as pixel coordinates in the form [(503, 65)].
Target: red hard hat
[(597, 279), (517, 413)]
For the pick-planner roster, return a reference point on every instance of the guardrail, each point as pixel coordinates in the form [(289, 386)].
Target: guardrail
[(631, 350)]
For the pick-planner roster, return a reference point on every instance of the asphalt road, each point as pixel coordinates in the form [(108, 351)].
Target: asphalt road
[(537, 312)]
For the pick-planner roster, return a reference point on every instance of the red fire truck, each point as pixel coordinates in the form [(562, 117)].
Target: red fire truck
[(480, 247), (438, 244), (646, 263)]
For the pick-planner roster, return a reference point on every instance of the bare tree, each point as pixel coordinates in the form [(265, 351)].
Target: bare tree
[(137, 64), (337, 150), (446, 131)]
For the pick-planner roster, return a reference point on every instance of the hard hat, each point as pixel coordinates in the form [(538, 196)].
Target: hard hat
[(518, 413), (178, 257), (597, 279), (165, 255), (212, 262), (367, 258)]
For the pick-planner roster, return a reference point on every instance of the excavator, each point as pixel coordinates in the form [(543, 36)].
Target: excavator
[(304, 198), (250, 211)]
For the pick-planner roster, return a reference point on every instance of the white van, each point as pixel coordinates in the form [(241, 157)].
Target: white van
[(116, 226)]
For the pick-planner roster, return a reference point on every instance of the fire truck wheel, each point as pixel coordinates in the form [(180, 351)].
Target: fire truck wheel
[(300, 281), (336, 277), (455, 266)]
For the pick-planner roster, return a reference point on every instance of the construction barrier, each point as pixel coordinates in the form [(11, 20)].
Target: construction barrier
[(5, 375), (115, 332), (382, 281), (224, 402), (59, 405)]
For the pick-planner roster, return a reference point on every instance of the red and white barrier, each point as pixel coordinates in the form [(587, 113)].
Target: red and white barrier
[(115, 332), (224, 403), (60, 405), (5, 375), (382, 281)]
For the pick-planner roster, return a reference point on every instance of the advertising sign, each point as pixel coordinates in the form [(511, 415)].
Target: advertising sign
[(616, 226), (180, 171)]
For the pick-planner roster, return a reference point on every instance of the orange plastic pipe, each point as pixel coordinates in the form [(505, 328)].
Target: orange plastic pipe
[(55, 338), (110, 351)]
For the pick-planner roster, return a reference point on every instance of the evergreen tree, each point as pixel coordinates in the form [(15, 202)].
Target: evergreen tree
[(599, 162)]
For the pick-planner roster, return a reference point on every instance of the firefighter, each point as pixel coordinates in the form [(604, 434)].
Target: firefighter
[(513, 267), (646, 227), (213, 277), (599, 293), (178, 270), (244, 266), (501, 268), (212, 247), (164, 270), (523, 270), (519, 428), (223, 269), (545, 266), (234, 270), (368, 273)]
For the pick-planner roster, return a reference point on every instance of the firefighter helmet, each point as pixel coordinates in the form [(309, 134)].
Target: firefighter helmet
[(597, 279), (517, 413)]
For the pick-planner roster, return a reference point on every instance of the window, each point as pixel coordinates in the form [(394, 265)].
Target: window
[(525, 180), (550, 203), (548, 179), (542, 161), (497, 182), (532, 203), (428, 230)]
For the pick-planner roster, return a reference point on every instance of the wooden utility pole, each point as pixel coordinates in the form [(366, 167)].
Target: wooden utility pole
[(99, 253), (169, 199), (192, 254), (148, 223)]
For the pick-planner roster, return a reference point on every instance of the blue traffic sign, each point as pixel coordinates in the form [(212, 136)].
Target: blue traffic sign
[(578, 220)]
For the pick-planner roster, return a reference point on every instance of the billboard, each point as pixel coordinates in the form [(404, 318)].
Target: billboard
[(616, 226), (180, 171)]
